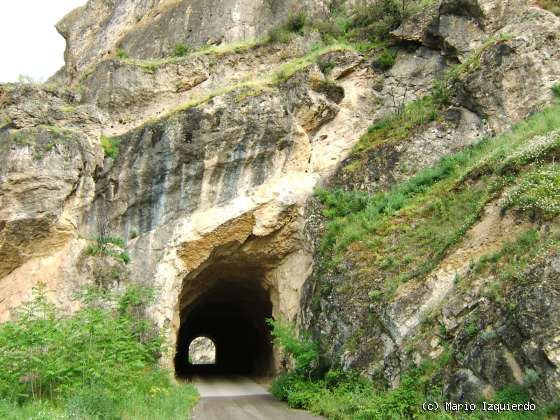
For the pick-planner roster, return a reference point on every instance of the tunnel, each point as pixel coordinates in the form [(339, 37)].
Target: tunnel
[(231, 311)]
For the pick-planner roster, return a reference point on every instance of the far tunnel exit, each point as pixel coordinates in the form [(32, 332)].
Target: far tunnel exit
[(232, 314)]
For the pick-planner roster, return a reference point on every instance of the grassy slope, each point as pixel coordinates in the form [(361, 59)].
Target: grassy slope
[(402, 234), (441, 203)]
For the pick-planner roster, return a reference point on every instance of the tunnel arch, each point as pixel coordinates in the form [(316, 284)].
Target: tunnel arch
[(229, 304)]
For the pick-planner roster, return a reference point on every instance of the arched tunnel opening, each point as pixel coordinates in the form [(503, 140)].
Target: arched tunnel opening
[(232, 313)]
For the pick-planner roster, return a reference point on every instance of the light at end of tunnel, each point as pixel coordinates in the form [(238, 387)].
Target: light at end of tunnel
[(202, 351)]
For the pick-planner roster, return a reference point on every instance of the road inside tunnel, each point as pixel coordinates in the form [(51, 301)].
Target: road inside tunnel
[(232, 314)]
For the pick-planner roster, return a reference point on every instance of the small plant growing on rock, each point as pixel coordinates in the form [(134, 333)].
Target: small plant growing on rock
[(556, 90), (110, 146), (122, 54), (385, 60), (112, 246), (299, 346), (181, 50), (296, 22)]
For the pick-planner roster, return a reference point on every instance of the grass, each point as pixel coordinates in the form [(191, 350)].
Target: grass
[(5, 121), (98, 363), (286, 32), (43, 139), (343, 395), (385, 60), (182, 53), (181, 50), (266, 83), (403, 233), (537, 192), (550, 5), (347, 395), (413, 115), (396, 126), (122, 54), (507, 266)]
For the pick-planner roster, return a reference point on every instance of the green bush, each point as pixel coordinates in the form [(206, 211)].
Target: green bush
[(556, 90), (280, 35), (102, 247), (294, 25), (122, 54), (91, 364), (181, 50), (385, 60), (376, 20), (347, 395), (50, 355), (328, 29), (300, 347), (110, 146), (296, 22)]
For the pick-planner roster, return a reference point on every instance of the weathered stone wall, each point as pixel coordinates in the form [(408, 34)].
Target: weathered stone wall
[(152, 28)]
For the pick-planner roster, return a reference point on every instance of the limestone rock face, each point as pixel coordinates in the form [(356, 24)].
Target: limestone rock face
[(519, 71), (204, 166), (152, 28), (517, 68), (45, 185)]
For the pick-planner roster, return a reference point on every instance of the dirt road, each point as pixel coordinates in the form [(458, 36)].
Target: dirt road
[(239, 398)]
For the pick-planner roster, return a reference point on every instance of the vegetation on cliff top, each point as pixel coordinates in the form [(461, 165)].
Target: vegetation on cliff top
[(99, 363)]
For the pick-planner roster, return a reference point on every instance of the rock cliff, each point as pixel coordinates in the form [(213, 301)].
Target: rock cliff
[(193, 172)]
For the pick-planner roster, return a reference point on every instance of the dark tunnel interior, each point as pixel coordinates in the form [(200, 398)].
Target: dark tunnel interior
[(233, 315)]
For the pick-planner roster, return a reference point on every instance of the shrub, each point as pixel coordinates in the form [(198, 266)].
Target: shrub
[(328, 29), (385, 60), (303, 350), (284, 33), (124, 257), (110, 146), (283, 384), (296, 22), (51, 356), (100, 362), (122, 54), (556, 90), (377, 20), (181, 50), (102, 247), (280, 35)]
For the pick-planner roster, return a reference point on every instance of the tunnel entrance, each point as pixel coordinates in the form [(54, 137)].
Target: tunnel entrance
[(231, 312)]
